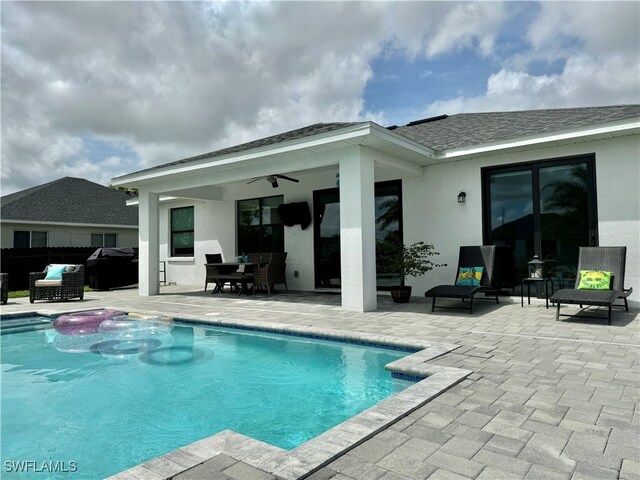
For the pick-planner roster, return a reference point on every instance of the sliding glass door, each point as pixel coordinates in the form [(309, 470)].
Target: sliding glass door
[(543, 208), (388, 210)]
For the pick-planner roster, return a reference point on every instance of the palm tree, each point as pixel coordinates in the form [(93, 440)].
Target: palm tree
[(569, 197), (391, 213)]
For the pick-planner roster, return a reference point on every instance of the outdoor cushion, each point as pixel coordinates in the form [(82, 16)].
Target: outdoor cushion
[(470, 276), (48, 283), (594, 280), (54, 272)]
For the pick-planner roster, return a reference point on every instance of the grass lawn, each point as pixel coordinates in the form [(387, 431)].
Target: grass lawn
[(25, 293)]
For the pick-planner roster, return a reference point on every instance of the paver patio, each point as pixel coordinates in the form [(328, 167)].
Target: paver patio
[(547, 399)]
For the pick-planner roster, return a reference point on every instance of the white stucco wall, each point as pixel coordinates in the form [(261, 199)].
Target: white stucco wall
[(438, 218), (69, 235), (215, 229), (431, 212)]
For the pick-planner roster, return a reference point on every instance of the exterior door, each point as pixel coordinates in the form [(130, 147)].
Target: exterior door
[(326, 229), (388, 211), (544, 208)]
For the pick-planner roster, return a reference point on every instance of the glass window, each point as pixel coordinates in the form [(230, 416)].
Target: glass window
[(388, 201), (249, 212), (38, 239), (110, 240), (182, 232), (29, 239), (99, 240), (96, 240), (21, 239), (259, 226)]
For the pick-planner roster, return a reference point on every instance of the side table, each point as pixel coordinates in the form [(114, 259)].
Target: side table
[(529, 281)]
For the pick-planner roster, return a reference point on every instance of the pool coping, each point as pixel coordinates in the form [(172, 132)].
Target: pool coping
[(321, 450)]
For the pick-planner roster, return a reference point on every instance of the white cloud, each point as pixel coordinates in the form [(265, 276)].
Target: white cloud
[(467, 25), (167, 80), (599, 43), (174, 79)]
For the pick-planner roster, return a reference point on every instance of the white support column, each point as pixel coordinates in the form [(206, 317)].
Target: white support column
[(357, 232), (149, 244)]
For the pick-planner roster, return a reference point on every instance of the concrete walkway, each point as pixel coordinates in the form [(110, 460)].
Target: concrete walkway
[(547, 399)]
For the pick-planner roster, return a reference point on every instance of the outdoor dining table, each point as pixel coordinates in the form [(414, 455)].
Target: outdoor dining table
[(229, 272)]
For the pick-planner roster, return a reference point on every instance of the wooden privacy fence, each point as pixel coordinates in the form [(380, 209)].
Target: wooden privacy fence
[(19, 262)]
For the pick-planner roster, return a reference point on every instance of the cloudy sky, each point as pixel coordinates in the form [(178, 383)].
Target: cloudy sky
[(97, 90)]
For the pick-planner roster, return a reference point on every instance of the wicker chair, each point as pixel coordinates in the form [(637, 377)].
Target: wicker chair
[(470, 257), (212, 273), (70, 286), (610, 259), (271, 273), (279, 263), (4, 287), (213, 257)]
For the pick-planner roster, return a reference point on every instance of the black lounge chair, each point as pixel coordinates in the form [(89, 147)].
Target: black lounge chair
[(609, 259), (469, 257)]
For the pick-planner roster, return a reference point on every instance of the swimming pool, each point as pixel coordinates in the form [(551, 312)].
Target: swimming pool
[(106, 413)]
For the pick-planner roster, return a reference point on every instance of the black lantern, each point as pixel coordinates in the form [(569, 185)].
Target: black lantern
[(536, 268), (462, 197)]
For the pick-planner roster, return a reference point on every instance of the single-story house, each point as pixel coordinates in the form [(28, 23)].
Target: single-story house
[(68, 212), (540, 182)]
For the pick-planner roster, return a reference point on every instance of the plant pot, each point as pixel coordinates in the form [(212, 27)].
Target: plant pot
[(401, 294)]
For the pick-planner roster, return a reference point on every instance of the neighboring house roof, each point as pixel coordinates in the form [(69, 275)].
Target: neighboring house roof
[(467, 129), (69, 200), (448, 132)]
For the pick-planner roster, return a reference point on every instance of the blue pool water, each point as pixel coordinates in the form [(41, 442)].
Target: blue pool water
[(102, 413)]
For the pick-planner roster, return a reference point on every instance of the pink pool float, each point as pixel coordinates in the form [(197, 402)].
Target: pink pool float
[(83, 323)]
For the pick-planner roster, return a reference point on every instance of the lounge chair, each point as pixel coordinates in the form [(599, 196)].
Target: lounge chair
[(56, 283), (603, 259), (471, 258)]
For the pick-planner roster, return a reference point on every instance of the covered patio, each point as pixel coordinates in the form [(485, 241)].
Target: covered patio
[(358, 154), (546, 399)]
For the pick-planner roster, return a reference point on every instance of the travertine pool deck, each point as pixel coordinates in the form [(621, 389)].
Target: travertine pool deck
[(545, 400)]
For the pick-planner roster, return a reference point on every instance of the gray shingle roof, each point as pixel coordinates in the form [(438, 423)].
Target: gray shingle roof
[(70, 200), (308, 131), (466, 129)]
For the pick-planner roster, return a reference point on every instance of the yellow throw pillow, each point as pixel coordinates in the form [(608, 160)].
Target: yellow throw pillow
[(594, 280)]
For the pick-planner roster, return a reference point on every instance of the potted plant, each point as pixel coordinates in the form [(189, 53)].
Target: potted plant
[(409, 261)]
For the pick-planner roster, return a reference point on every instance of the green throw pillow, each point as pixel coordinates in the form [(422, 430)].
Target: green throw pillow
[(470, 276), (594, 280)]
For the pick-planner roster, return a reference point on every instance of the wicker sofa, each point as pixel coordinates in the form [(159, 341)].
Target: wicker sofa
[(70, 285), (4, 287)]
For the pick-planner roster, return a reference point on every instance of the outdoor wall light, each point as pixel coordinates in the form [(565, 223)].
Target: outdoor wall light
[(462, 197)]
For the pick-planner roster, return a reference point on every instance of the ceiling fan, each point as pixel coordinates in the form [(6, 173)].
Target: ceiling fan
[(273, 179)]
